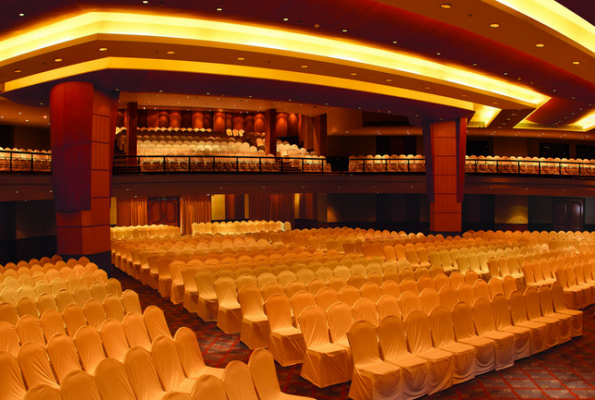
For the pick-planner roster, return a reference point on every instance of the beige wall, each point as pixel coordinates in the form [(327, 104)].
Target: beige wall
[(350, 207), (340, 120), (35, 219), (345, 146), (511, 210), (510, 146)]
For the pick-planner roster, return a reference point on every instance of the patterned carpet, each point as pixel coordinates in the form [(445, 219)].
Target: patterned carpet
[(564, 372)]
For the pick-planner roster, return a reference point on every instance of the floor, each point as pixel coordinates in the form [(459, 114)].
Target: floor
[(564, 372)]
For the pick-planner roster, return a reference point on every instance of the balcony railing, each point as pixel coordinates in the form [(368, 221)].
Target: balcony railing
[(25, 161), (533, 167)]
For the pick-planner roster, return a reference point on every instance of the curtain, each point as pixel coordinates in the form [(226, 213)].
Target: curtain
[(272, 207), (194, 209), (132, 211)]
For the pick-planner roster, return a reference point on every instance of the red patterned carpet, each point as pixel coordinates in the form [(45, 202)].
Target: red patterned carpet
[(565, 372)]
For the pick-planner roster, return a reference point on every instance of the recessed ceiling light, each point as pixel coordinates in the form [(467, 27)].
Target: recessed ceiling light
[(145, 1), (304, 66), (539, 45), (354, 73), (394, 42), (576, 62), (171, 52), (21, 15), (58, 60), (241, 58), (389, 80), (427, 88), (286, 19), (344, 30), (18, 71), (495, 25), (103, 49), (445, 5), (463, 95), (219, 9)]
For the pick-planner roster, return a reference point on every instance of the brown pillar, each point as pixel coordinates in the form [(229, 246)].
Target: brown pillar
[(270, 131), (81, 140), (320, 146), (131, 132), (444, 145), (219, 121)]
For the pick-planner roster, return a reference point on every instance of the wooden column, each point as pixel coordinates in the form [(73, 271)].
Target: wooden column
[(270, 131), (81, 169), (131, 128), (444, 145), (320, 135)]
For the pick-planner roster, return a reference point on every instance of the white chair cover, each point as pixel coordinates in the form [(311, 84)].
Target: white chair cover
[(35, 365), (229, 313), (255, 329), (191, 356), (114, 339), (286, 342), (89, 347), (143, 375), (485, 349), (372, 378), (63, 355), (325, 363), (415, 370), (12, 386), (112, 381), (169, 367), (155, 322), (420, 343), (43, 392), (486, 327), (79, 385), (238, 382)]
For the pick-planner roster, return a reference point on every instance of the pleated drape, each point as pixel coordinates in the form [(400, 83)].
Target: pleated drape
[(194, 209), (132, 211), (272, 207)]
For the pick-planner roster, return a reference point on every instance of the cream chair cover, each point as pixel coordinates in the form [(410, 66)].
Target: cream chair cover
[(325, 363), (114, 308), (131, 302), (387, 305), (373, 379), (208, 387), (29, 330), (518, 311), (365, 310), (419, 339), (415, 370), (486, 327), (114, 339), (229, 314), (191, 356), (63, 355), (46, 302), (74, 318), (463, 355), (349, 295), (485, 349), (12, 386), (547, 309), (89, 347), (408, 302), (98, 291), (326, 297), (95, 313), (255, 329), (190, 297), (502, 319), (35, 365), (560, 307), (143, 375), (42, 392), (552, 336), (168, 366), (206, 307), (112, 381), (8, 313), (264, 376), (286, 342), (238, 383), (340, 319), (79, 385), (136, 331), (9, 340), (155, 322), (176, 295)]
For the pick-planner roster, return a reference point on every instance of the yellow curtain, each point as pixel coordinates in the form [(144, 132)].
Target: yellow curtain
[(194, 209), (132, 211)]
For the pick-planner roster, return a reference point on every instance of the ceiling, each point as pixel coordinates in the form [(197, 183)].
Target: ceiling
[(459, 37)]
